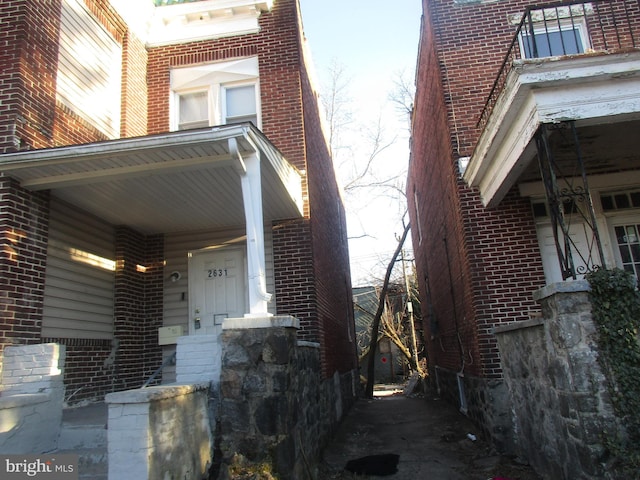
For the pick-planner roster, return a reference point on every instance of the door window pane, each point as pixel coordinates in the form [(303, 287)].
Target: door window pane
[(629, 247)]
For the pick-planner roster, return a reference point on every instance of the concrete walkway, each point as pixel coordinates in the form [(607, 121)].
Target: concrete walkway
[(429, 435)]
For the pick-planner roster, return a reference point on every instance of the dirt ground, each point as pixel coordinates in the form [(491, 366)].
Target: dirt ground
[(429, 435)]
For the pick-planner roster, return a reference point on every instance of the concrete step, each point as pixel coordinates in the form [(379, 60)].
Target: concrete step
[(92, 462), (82, 437), (84, 427), (84, 433)]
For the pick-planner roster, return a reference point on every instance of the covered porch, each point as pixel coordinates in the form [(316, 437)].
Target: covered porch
[(125, 218), (561, 127)]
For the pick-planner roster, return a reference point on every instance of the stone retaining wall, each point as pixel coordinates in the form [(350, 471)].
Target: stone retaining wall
[(276, 410), (559, 393)]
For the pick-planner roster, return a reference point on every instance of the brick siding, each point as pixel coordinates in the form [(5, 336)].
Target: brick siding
[(89, 371), (28, 57), (24, 224), (138, 305), (293, 272), (477, 267), (311, 259), (330, 250)]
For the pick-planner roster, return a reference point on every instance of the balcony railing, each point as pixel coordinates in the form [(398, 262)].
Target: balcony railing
[(568, 28)]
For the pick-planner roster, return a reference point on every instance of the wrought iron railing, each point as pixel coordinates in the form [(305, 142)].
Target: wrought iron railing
[(568, 28)]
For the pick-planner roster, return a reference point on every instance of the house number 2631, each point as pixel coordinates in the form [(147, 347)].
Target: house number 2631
[(217, 272)]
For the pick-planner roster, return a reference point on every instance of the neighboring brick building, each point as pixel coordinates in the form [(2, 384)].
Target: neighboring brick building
[(524, 171), (163, 166)]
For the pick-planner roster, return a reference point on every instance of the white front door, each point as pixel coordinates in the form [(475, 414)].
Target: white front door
[(216, 289)]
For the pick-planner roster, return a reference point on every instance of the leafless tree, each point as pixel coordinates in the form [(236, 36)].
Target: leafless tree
[(402, 95), (375, 324), (336, 102)]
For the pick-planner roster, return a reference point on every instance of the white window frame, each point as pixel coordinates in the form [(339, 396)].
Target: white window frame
[(175, 118), (628, 217), (565, 25), (223, 99), (214, 78)]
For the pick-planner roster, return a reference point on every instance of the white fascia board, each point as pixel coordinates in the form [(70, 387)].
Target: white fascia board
[(498, 152), (289, 175), (75, 153)]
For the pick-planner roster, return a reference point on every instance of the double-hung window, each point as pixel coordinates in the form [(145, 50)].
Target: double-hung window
[(215, 94), (193, 110), (239, 104)]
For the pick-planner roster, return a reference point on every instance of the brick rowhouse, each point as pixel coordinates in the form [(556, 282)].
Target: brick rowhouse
[(311, 271), (477, 266)]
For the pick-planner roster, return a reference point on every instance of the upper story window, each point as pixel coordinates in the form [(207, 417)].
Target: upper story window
[(88, 80), (193, 110), (215, 94), (550, 41), (240, 104), (555, 31)]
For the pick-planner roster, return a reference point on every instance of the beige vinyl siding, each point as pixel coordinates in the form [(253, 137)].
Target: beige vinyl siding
[(89, 69), (78, 296), (176, 295)]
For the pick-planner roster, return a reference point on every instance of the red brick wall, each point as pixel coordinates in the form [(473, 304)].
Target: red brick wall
[(477, 267), (138, 306), (24, 225), (89, 369), (329, 236), (278, 50), (28, 57), (133, 121), (294, 276), (30, 117)]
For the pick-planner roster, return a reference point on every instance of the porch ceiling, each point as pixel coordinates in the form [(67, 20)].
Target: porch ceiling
[(180, 181), (601, 93)]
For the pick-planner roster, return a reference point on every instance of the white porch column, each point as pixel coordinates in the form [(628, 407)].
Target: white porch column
[(249, 169)]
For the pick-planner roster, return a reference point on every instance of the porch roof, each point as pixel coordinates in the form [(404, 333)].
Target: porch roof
[(600, 92), (173, 182)]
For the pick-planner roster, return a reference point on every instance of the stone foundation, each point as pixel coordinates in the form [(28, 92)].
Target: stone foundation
[(276, 410), (559, 394)]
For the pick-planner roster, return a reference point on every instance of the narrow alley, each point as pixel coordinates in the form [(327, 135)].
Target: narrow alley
[(431, 438)]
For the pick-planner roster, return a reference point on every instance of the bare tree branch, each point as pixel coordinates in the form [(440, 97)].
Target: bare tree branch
[(375, 326), (337, 104), (403, 94)]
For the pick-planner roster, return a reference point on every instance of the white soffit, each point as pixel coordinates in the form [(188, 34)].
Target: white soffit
[(175, 182), (588, 89)]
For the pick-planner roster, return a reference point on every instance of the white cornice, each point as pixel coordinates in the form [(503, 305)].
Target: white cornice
[(188, 22)]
